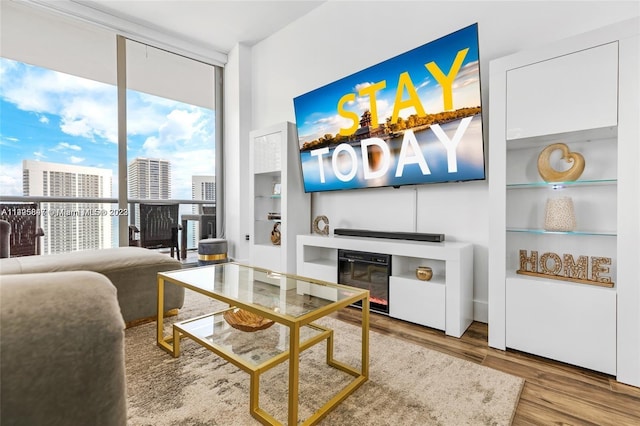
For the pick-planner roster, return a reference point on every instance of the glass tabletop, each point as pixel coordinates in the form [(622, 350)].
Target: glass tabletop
[(280, 294)]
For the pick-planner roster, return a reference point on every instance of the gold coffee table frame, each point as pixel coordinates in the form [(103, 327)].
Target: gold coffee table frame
[(294, 303)]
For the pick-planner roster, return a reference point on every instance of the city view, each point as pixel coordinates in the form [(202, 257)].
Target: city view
[(58, 137)]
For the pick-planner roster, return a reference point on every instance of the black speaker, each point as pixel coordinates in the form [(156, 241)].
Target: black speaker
[(413, 236)]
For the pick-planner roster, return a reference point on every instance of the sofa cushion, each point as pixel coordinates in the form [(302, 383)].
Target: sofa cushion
[(10, 266), (61, 350), (132, 270), (103, 261)]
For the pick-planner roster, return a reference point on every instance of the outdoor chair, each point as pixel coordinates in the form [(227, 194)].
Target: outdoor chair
[(24, 239), (159, 226), (208, 222)]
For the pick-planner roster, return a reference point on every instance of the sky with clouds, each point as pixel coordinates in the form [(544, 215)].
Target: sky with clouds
[(317, 113), (55, 117)]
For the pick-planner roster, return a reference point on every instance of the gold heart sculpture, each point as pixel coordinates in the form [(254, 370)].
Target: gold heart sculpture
[(549, 174)]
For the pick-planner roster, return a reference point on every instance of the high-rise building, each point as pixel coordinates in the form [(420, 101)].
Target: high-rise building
[(202, 188), (70, 226), (149, 179)]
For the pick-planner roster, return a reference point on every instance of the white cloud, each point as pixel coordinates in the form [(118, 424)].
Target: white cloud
[(179, 130), (76, 127), (183, 167), (8, 141), (11, 179), (181, 137), (423, 83), (39, 154), (87, 108), (467, 75), (65, 145), (361, 86), (75, 160), (151, 145)]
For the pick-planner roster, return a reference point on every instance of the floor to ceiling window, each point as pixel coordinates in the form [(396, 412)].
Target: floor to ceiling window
[(59, 128), (170, 129)]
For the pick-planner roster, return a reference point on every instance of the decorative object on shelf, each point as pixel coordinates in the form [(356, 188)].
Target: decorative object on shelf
[(559, 214), (274, 216), (551, 265), (277, 189), (549, 174), (245, 320), (275, 234), (325, 228), (424, 273)]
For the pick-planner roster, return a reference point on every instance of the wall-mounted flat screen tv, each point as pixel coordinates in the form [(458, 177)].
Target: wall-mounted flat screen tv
[(413, 119)]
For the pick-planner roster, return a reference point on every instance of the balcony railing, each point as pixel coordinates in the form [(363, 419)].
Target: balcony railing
[(75, 223)]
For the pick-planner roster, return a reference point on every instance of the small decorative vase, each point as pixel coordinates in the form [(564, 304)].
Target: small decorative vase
[(424, 273), (559, 215), (275, 234)]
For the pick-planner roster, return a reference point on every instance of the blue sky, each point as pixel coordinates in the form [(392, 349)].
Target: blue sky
[(55, 117), (316, 111)]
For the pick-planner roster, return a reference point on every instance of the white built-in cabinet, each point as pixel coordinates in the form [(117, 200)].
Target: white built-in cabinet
[(445, 302), (277, 197), (582, 92)]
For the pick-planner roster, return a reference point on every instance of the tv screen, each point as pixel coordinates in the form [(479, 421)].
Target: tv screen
[(413, 119)]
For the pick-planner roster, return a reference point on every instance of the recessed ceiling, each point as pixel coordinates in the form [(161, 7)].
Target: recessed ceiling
[(214, 24)]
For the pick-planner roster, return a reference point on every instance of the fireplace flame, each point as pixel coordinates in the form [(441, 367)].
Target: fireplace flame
[(377, 300)]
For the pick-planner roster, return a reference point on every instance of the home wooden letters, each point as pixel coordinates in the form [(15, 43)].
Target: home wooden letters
[(566, 268)]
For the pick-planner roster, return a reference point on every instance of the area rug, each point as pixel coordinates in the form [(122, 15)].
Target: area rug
[(408, 384)]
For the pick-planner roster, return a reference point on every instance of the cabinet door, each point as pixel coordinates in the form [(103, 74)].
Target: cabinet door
[(420, 302), (569, 93), (574, 323), (267, 154)]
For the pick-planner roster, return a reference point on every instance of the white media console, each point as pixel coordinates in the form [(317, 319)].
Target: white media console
[(445, 302)]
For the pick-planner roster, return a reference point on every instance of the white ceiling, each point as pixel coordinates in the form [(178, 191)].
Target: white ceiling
[(215, 23), (207, 25)]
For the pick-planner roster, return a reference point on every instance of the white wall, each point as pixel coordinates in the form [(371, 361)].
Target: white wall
[(343, 37), (237, 125)]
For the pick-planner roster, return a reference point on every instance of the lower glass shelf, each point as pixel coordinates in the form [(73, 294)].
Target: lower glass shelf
[(577, 233), (253, 348)]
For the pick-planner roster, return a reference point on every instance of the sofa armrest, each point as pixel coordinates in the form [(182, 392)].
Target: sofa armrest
[(61, 350)]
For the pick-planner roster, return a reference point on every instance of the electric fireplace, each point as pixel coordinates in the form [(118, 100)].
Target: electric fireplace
[(369, 271)]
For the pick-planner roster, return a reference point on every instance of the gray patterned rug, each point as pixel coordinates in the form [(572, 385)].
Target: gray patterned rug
[(408, 384)]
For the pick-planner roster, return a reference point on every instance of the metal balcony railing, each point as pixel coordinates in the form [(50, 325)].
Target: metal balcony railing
[(77, 223)]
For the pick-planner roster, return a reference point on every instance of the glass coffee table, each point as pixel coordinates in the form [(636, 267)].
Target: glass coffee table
[(292, 302)]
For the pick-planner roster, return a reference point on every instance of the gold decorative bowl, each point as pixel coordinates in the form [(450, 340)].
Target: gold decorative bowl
[(424, 273), (246, 321)]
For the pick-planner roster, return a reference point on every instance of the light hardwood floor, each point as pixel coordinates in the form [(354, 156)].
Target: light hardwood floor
[(554, 393)]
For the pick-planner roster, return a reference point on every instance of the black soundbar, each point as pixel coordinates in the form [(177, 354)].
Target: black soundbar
[(414, 236)]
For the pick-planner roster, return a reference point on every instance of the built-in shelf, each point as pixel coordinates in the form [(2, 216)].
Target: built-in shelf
[(537, 98), (276, 187), (580, 135), (576, 233), (561, 185), (435, 280), (258, 196)]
